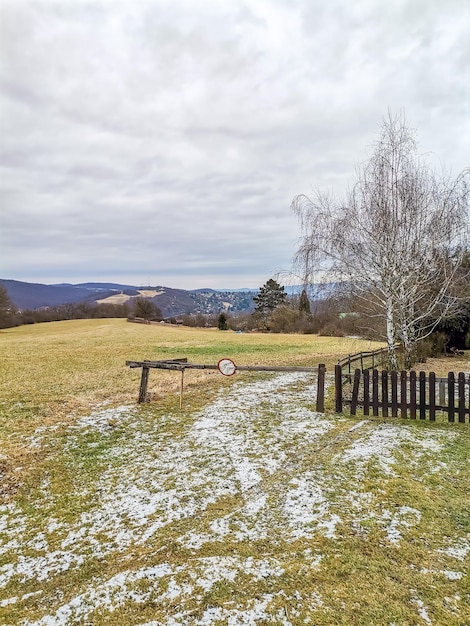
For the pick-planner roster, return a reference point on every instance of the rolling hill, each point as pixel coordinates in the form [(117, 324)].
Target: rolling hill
[(171, 302)]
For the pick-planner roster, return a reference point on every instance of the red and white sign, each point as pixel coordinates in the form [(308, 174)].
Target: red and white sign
[(227, 367)]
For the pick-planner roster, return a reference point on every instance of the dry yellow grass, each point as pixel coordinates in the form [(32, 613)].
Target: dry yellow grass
[(55, 371), (74, 365), (443, 365), (326, 533), (59, 370)]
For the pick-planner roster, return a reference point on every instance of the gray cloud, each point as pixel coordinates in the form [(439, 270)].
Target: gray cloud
[(159, 140)]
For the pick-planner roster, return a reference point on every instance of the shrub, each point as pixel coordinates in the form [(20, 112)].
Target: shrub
[(331, 330)]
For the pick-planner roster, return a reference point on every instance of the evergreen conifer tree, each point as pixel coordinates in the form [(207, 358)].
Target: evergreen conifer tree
[(7, 310), (270, 296), (222, 323)]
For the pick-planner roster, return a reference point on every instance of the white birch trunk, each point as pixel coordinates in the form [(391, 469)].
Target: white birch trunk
[(390, 325)]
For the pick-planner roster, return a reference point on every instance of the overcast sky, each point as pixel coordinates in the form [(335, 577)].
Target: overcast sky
[(161, 142)]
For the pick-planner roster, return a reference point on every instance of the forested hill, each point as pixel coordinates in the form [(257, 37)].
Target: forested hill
[(170, 301)]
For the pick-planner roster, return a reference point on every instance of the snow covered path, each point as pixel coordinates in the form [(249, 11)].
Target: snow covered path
[(211, 517)]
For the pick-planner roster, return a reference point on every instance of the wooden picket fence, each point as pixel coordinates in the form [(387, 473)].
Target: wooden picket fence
[(388, 394), (403, 394)]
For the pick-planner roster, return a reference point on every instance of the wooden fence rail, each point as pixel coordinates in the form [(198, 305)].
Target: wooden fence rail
[(368, 359), (181, 365), (407, 394)]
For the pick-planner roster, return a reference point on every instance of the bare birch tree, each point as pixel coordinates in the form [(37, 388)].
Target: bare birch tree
[(396, 241)]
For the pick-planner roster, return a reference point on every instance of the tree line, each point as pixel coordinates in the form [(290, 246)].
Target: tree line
[(341, 313), (137, 307)]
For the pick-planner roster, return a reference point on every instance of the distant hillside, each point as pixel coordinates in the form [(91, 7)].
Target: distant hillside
[(172, 302), (37, 295), (99, 286)]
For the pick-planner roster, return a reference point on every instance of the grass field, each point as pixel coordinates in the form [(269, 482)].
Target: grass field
[(51, 370), (246, 507), (53, 373)]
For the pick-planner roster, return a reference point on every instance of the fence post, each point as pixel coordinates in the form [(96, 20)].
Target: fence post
[(451, 397), (384, 393), (461, 397), (143, 384), (403, 395), (422, 395), (366, 392), (432, 396), (413, 395), (355, 391), (338, 389), (320, 407), (375, 393), (394, 382)]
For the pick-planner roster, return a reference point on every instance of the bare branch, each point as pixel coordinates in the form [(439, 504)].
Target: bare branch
[(398, 239)]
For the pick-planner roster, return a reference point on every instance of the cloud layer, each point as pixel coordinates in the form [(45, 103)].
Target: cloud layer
[(162, 142)]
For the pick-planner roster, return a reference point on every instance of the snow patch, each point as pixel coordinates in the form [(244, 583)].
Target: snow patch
[(403, 517), (307, 509), (449, 574), (421, 608), (457, 551), (163, 580), (381, 443), (251, 443)]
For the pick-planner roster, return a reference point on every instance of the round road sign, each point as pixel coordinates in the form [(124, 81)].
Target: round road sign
[(227, 367)]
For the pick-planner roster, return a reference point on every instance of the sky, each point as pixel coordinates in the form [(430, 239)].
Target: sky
[(161, 142)]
